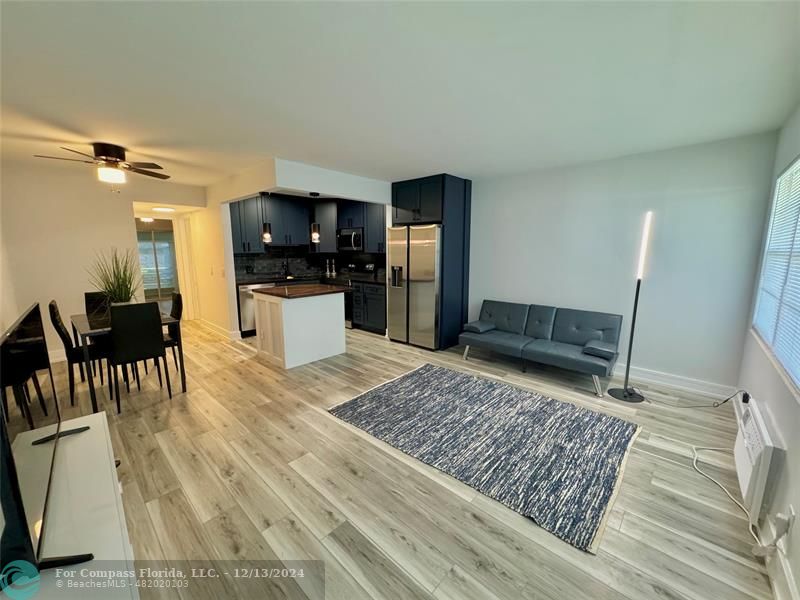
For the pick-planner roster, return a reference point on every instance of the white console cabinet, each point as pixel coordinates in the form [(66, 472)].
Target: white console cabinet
[(85, 511)]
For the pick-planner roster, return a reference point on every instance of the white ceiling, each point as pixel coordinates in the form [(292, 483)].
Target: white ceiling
[(389, 90)]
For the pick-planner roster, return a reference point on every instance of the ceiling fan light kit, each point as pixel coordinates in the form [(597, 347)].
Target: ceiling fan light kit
[(111, 175), (111, 163)]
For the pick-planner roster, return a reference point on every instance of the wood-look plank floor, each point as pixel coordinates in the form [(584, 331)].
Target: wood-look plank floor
[(248, 465)]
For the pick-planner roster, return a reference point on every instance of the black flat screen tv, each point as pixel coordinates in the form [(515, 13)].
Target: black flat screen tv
[(23, 357)]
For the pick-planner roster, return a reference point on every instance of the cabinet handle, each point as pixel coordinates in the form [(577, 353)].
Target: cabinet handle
[(244, 248), (248, 246)]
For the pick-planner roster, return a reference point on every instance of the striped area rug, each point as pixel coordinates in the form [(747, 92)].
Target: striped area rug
[(552, 461)]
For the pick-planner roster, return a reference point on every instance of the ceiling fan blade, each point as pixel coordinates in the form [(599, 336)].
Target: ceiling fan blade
[(145, 165), (76, 152), (148, 173), (90, 162)]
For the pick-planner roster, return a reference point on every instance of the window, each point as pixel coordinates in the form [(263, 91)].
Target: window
[(777, 315)]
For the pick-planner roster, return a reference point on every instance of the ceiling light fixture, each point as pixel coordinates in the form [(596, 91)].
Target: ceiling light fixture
[(163, 209), (146, 219), (110, 175)]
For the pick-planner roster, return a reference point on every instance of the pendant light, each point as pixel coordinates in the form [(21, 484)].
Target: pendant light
[(315, 233), (266, 233)]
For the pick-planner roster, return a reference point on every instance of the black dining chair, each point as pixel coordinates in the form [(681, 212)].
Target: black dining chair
[(96, 305), (74, 354), (136, 334), (171, 337)]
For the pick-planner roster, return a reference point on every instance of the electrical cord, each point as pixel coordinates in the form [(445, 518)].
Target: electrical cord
[(715, 404), (695, 458)]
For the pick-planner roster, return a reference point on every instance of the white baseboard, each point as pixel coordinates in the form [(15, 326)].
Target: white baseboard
[(233, 335), (687, 384), (784, 583)]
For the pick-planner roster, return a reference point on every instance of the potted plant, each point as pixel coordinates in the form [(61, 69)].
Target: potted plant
[(116, 275)]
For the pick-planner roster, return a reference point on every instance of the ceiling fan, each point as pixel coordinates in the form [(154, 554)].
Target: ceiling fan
[(110, 162)]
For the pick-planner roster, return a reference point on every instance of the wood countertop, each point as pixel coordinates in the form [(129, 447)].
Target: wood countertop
[(301, 290)]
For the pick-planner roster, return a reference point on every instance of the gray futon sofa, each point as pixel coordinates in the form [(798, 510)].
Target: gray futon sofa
[(577, 340)]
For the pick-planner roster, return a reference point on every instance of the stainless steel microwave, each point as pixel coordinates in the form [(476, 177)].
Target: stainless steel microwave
[(350, 240)]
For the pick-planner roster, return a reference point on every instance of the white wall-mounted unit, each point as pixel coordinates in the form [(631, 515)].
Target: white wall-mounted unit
[(757, 458)]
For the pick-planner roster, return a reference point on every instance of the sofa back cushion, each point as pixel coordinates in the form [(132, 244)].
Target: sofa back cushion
[(540, 321), (580, 326), (506, 316)]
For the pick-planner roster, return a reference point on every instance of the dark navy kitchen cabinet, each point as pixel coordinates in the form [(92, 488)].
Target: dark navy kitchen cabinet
[(375, 230), (418, 201), (251, 219), (375, 308), (351, 214), (369, 306), (298, 226), (325, 217), (288, 218), (246, 226), (236, 228), (405, 202)]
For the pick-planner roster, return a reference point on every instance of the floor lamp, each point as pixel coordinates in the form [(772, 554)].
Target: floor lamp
[(627, 393)]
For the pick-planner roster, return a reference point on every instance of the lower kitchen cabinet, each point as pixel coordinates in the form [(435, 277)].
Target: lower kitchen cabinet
[(369, 306)]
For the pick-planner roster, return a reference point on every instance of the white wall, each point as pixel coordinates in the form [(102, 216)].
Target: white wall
[(213, 248), (55, 219), (300, 176), (569, 237), (765, 379)]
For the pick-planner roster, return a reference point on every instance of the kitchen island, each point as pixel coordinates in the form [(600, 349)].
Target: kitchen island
[(301, 323)]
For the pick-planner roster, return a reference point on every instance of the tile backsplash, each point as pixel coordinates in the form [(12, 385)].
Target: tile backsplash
[(272, 266), (302, 264)]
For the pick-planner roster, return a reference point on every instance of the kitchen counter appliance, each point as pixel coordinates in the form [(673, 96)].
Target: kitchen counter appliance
[(350, 240), (247, 315)]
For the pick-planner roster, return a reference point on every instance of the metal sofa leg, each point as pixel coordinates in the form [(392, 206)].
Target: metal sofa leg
[(466, 352), (597, 389), (524, 366)]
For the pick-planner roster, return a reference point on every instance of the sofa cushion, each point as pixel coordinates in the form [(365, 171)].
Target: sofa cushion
[(506, 316), (566, 356), (540, 321), (479, 326), (580, 326), (501, 342), (605, 350)]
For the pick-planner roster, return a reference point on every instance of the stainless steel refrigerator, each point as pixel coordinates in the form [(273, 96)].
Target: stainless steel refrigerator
[(413, 284)]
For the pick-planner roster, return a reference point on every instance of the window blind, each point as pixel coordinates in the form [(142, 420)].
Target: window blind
[(777, 315)]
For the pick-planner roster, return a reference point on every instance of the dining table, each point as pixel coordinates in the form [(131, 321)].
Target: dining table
[(91, 326)]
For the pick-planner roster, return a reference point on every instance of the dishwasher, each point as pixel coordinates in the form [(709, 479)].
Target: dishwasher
[(247, 307)]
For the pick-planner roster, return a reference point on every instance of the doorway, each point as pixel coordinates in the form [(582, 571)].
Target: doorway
[(157, 258)]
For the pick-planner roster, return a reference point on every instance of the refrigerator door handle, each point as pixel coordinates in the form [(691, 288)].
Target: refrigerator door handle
[(397, 277)]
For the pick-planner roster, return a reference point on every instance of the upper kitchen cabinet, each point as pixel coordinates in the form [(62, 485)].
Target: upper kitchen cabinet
[(351, 214), (289, 219), (375, 230), (236, 228), (246, 222), (298, 222), (325, 216), (418, 200)]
